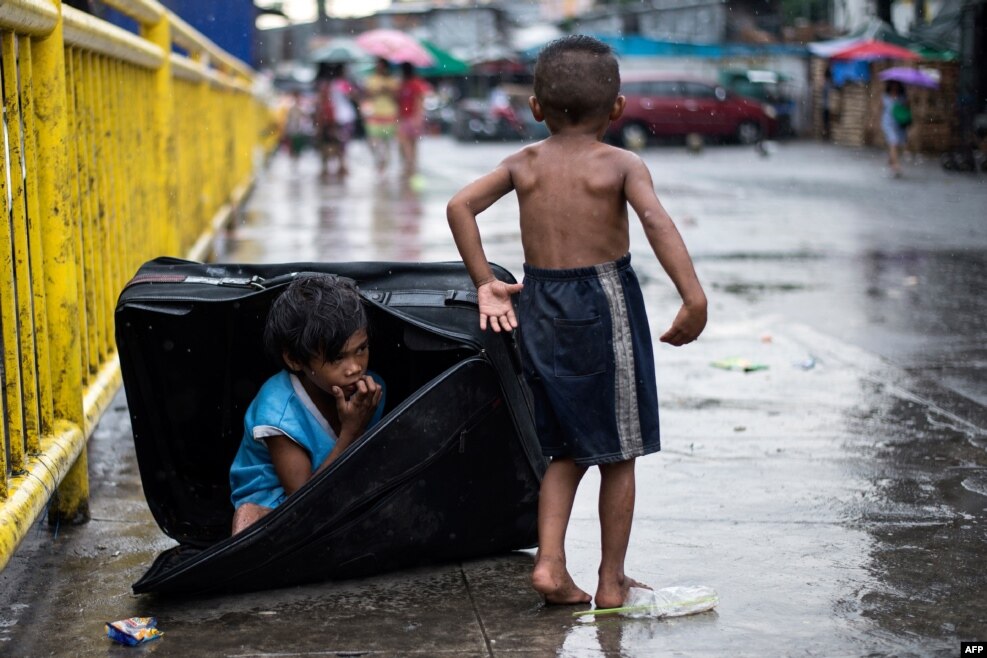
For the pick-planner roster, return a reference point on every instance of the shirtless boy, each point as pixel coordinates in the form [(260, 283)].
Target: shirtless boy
[(585, 342)]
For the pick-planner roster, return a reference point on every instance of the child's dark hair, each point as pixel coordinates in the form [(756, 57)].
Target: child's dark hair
[(576, 78), (313, 318)]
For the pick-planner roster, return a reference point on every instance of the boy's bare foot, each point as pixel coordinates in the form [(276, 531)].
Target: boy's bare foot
[(613, 594), (551, 579)]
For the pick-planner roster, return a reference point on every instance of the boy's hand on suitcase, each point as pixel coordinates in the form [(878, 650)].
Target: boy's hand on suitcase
[(357, 410), (494, 298)]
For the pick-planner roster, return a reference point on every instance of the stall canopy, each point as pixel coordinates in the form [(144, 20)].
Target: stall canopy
[(635, 45), (877, 31), (340, 50), (445, 64), (871, 50)]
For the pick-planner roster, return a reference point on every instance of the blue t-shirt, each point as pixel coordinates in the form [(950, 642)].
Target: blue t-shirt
[(281, 407)]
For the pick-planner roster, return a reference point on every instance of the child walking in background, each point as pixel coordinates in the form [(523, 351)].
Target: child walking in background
[(322, 400), (298, 128), (585, 343), (335, 95)]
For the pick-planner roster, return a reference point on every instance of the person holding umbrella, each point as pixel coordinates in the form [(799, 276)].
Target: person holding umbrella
[(896, 117), (380, 106)]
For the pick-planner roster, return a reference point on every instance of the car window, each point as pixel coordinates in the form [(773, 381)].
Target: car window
[(664, 88), (746, 88), (698, 90), (634, 89)]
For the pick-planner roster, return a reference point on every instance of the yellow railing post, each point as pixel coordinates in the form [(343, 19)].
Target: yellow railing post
[(162, 112), (97, 120), (23, 418), (11, 428), (59, 233), (38, 301)]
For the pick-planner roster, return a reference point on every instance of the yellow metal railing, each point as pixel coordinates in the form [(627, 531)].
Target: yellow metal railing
[(116, 149)]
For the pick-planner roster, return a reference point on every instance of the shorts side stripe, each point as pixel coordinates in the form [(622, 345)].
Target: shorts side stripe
[(625, 389)]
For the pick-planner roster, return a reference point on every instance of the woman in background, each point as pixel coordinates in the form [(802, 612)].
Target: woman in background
[(379, 108), (411, 116)]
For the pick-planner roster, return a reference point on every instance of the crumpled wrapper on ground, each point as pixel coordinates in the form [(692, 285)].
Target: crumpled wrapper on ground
[(133, 631)]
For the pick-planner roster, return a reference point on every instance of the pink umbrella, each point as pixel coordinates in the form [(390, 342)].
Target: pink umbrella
[(395, 46), (874, 50)]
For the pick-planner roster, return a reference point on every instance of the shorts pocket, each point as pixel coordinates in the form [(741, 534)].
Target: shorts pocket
[(580, 347)]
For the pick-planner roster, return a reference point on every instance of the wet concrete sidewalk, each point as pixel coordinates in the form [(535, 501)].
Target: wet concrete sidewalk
[(836, 501)]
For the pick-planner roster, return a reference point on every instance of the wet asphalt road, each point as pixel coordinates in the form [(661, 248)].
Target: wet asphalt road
[(838, 509)]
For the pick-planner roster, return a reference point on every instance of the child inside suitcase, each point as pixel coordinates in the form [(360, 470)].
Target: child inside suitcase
[(321, 400), (456, 419)]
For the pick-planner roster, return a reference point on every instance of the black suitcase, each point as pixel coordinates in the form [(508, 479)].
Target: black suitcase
[(451, 472)]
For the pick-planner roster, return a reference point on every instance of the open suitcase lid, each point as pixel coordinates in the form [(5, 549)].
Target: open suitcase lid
[(457, 442)]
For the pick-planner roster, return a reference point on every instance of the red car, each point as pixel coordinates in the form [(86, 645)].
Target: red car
[(666, 105)]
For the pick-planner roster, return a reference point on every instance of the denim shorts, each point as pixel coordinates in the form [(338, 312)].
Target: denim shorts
[(589, 362)]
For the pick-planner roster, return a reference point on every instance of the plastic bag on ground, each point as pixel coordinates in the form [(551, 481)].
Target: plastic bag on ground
[(669, 601)]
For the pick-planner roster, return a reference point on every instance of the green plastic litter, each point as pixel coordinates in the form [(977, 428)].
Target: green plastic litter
[(737, 363)]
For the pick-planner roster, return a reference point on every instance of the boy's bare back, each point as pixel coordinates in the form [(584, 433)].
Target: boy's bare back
[(573, 192), (573, 204)]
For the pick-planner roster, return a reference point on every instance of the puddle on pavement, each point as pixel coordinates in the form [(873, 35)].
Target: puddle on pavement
[(755, 256), (757, 290), (927, 517)]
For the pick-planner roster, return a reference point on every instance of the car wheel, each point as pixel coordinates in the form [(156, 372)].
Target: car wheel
[(634, 136), (748, 132)]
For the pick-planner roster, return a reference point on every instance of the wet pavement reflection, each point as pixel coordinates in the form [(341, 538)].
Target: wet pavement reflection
[(836, 500)]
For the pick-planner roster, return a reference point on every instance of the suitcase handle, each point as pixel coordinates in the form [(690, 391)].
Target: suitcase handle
[(423, 298)]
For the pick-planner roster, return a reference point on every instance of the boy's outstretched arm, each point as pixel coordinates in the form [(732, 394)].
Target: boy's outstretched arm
[(494, 296), (671, 252)]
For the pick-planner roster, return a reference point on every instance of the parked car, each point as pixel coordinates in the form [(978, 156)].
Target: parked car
[(664, 105), (769, 87)]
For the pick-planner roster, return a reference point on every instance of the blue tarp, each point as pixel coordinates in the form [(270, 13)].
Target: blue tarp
[(633, 45), (853, 70)]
